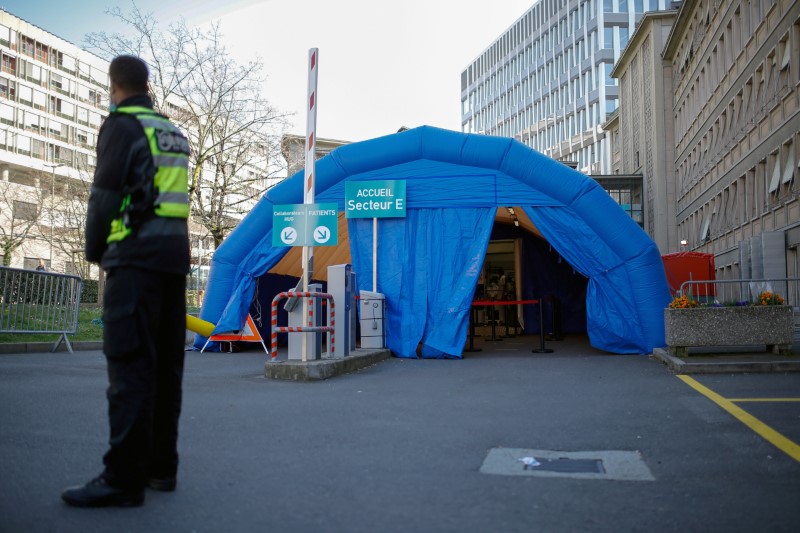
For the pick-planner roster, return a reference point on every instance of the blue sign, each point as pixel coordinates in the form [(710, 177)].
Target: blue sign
[(375, 199), (305, 225)]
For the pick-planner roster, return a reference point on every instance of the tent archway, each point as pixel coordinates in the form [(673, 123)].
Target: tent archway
[(451, 171)]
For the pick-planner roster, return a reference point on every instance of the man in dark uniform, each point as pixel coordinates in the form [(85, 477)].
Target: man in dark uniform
[(136, 228)]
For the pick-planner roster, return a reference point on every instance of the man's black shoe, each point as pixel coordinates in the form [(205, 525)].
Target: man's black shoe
[(98, 493), (162, 484)]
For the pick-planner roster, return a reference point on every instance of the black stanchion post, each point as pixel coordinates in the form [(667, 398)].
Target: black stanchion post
[(472, 347), (542, 348), (555, 327), (494, 338), (557, 319), (505, 319)]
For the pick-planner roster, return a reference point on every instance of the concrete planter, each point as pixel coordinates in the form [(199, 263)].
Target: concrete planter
[(769, 325)]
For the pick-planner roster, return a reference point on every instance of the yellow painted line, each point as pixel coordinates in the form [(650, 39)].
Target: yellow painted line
[(787, 446), (781, 400)]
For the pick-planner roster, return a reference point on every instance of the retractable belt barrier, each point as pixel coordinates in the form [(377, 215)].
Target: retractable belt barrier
[(33, 301), (485, 303), (275, 329)]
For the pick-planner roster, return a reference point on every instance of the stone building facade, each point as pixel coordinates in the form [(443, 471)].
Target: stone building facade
[(723, 87), (735, 68), (641, 131)]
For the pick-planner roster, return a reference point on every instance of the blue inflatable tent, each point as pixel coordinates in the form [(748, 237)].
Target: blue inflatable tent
[(429, 262)]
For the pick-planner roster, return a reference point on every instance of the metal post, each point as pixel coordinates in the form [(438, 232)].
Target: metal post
[(542, 348), (311, 149), (555, 323), (494, 337), (375, 254), (472, 347), (505, 319), (53, 168)]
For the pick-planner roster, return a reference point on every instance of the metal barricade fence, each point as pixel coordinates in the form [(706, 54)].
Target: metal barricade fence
[(33, 301), (733, 291)]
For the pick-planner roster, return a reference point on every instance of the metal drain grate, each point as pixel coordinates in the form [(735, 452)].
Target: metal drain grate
[(567, 465), (608, 464)]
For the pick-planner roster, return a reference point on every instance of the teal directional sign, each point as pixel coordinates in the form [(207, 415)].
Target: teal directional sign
[(375, 199), (305, 225)]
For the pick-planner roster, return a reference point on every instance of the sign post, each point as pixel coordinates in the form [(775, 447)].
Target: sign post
[(375, 199), (311, 151)]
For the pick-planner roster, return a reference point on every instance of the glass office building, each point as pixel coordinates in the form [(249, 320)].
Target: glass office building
[(546, 81)]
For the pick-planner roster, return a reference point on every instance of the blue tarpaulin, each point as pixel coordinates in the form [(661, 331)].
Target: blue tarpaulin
[(427, 299), (429, 262)]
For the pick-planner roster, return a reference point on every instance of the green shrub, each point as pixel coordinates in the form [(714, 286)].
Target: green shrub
[(89, 292)]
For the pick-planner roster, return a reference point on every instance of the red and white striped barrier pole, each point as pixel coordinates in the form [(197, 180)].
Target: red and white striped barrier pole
[(275, 329), (308, 195)]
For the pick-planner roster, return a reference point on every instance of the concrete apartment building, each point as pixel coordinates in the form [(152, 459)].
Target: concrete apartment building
[(546, 80), (293, 149), (720, 79), (53, 98)]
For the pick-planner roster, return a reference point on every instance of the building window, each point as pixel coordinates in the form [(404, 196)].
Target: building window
[(623, 37), (30, 263), (9, 64), (787, 155), (25, 210), (608, 37), (706, 225), (608, 67), (27, 45), (784, 49), (775, 172), (7, 89)]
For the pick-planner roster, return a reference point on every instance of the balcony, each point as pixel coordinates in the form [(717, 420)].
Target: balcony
[(62, 68), (59, 90), (58, 136)]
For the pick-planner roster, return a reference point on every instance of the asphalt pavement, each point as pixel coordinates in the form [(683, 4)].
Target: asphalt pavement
[(399, 446)]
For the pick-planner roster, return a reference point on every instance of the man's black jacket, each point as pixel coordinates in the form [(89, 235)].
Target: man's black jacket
[(123, 160)]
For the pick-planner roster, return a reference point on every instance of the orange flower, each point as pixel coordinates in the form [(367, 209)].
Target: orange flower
[(682, 302), (770, 298)]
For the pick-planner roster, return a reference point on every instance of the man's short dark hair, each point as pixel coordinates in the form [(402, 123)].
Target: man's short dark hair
[(129, 73)]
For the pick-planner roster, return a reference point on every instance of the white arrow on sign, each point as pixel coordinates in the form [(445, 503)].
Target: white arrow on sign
[(322, 234), (288, 235)]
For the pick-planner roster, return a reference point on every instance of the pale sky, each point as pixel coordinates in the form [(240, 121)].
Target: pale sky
[(382, 64)]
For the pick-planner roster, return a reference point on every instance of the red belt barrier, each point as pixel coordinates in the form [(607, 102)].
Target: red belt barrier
[(503, 302)]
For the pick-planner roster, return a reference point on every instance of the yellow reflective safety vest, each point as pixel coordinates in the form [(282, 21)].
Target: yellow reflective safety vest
[(170, 151)]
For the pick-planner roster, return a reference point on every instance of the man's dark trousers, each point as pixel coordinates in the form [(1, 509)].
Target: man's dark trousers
[(144, 316)]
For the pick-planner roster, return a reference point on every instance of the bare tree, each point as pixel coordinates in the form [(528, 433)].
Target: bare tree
[(71, 201), (20, 215), (234, 133)]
